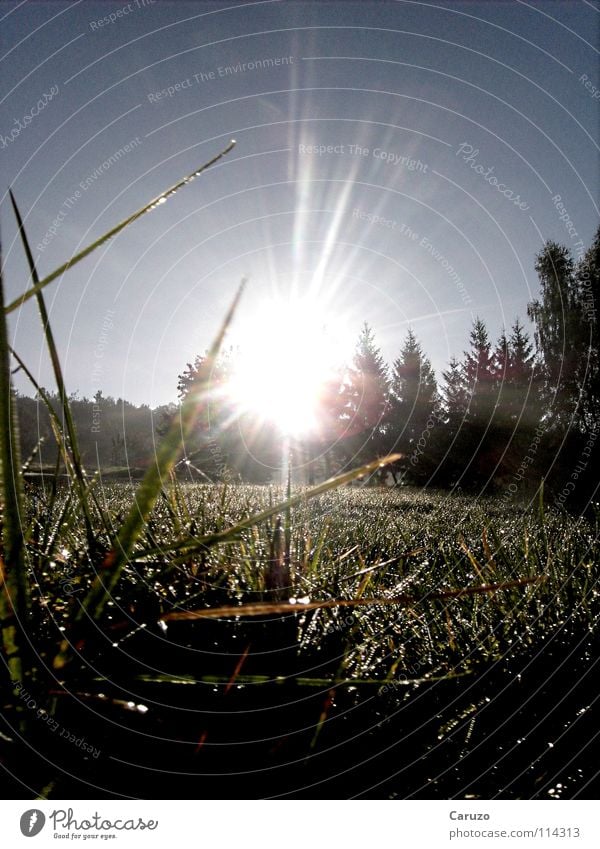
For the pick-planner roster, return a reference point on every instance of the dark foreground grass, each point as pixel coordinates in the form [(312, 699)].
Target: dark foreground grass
[(454, 654)]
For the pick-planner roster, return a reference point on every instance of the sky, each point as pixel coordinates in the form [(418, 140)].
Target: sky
[(400, 163)]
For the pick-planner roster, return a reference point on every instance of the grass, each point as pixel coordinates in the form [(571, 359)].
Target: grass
[(407, 579), (413, 616)]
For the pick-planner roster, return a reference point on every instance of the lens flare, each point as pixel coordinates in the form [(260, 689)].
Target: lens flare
[(285, 363)]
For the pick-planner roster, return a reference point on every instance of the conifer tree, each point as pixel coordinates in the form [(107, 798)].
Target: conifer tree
[(365, 400), (413, 392)]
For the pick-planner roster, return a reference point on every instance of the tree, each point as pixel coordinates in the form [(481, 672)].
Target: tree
[(365, 401), (588, 295), (560, 335), (413, 392), (447, 442), (455, 396), (211, 449), (228, 441), (517, 377), (518, 408), (479, 369), (471, 394)]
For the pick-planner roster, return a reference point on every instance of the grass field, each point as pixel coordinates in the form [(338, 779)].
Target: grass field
[(453, 631)]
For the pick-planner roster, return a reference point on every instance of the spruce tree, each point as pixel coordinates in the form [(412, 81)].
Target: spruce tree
[(365, 401), (413, 392), (475, 448)]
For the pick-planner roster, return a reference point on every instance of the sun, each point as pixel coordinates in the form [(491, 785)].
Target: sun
[(285, 361)]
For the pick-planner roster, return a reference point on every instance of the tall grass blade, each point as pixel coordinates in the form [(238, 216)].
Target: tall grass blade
[(73, 444), (86, 490), (288, 518), (230, 534), (14, 585), (113, 231), (167, 454), (278, 608)]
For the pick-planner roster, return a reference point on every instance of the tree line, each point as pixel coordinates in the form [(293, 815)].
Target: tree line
[(112, 433), (507, 414), (503, 416)]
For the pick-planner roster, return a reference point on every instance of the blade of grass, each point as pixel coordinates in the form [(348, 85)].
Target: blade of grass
[(167, 453), (268, 608), (288, 518), (73, 444), (14, 585), (230, 534), (57, 429), (114, 230)]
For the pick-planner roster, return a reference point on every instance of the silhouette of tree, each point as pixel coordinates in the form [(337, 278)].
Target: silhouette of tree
[(413, 392), (365, 400), (560, 335)]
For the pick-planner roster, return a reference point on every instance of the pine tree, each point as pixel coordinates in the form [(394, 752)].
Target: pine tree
[(365, 401), (479, 370), (413, 392), (475, 448), (448, 442), (517, 378), (455, 396), (518, 407)]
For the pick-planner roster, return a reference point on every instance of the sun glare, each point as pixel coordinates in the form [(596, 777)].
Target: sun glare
[(285, 363)]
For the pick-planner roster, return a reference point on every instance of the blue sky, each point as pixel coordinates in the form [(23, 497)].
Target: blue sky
[(401, 160)]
